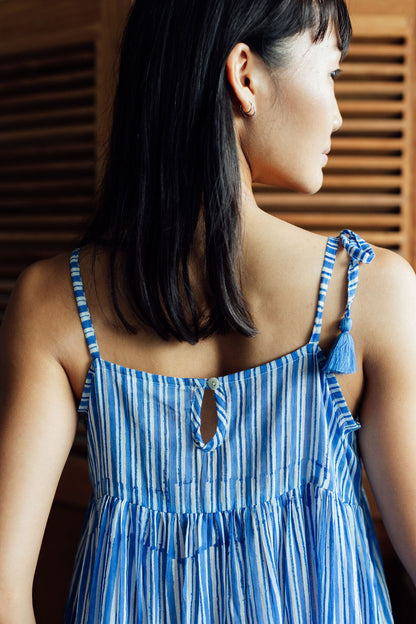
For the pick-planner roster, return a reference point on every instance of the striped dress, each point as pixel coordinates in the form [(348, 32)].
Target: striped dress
[(266, 522)]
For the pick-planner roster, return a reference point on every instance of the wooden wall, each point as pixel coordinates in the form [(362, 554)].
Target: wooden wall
[(57, 72), (57, 69)]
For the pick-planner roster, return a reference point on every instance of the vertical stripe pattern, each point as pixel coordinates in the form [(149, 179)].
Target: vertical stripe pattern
[(265, 523)]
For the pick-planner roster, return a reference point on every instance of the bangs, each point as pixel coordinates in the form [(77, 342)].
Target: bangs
[(326, 14)]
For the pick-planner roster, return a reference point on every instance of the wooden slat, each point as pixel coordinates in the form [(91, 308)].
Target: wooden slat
[(27, 99), (40, 221), (373, 202), (347, 87), (42, 134), (77, 202), (74, 114), (363, 181), (56, 237), (69, 166), (376, 144), (374, 69), (337, 220), (35, 64), (366, 106), (47, 185), (50, 82), (70, 147), (364, 162), (373, 125), (377, 49)]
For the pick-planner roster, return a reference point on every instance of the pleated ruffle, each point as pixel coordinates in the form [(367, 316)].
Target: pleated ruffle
[(304, 558)]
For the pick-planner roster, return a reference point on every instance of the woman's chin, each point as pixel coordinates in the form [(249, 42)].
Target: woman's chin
[(312, 189), (308, 185)]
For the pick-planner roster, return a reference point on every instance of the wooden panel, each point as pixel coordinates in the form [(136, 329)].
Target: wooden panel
[(374, 8), (57, 75), (39, 18), (47, 147)]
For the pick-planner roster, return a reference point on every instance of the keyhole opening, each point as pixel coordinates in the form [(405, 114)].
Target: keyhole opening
[(209, 419)]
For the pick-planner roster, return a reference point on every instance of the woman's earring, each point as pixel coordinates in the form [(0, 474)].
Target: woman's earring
[(251, 111)]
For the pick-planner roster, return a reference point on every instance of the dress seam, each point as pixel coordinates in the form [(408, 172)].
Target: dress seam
[(289, 495)]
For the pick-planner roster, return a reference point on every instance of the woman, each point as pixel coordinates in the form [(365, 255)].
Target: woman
[(225, 457)]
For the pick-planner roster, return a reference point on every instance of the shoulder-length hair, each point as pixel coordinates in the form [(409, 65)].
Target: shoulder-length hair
[(172, 156)]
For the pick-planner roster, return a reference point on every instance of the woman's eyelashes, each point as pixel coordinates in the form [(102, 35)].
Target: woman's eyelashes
[(335, 74)]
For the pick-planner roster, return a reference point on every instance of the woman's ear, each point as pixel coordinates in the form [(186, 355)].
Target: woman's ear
[(241, 74)]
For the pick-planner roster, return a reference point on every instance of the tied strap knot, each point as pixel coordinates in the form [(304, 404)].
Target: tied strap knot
[(341, 358), (357, 248)]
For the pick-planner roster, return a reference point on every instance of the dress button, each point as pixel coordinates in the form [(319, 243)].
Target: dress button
[(213, 383)]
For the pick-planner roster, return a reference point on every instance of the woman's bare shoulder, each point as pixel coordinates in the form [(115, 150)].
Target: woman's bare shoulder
[(49, 273), (388, 281), (386, 302), (42, 302), (45, 282)]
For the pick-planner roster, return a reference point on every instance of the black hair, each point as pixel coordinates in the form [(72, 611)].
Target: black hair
[(172, 156)]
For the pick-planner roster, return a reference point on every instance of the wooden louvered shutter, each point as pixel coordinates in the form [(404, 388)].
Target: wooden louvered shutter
[(57, 72), (367, 182), (47, 143)]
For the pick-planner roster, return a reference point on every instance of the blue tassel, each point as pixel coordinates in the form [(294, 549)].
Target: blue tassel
[(341, 358)]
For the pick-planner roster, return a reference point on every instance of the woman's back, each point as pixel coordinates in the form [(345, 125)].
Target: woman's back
[(282, 268), (234, 527), (282, 271)]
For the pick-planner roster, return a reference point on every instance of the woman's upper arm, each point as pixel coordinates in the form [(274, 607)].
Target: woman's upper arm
[(387, 437), (38, 421)]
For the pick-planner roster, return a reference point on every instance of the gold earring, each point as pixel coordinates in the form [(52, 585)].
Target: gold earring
[(251, 111)]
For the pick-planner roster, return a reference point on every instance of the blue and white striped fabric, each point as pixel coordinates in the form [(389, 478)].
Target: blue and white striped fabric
[(267, 522)]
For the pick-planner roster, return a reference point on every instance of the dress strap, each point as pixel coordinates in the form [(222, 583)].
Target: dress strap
[(328, 266), (341, 358), (84, 313)]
